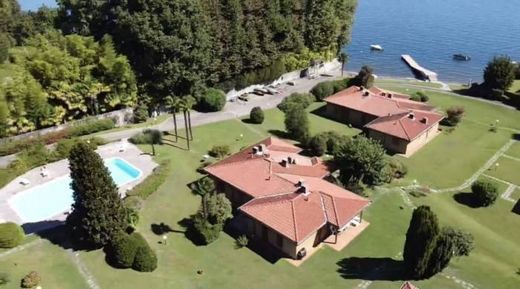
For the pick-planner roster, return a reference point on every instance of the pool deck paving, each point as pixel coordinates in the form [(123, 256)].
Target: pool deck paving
[(131, 153)]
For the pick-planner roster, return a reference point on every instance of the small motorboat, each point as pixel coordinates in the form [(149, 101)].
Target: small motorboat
[(376, 47), (461, 57)]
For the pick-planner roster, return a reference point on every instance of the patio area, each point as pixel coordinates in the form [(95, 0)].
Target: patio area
[(53, 171)]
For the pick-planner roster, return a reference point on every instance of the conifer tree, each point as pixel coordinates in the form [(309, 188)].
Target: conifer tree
[(98, 211)]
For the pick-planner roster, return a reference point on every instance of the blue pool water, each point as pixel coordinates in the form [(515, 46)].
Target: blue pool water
[(55, 197)]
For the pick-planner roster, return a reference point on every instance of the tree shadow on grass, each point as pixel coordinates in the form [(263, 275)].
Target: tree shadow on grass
[(322, 112), (162, 228), (516, 210), (279, 133), (372, 269), (248, 121), (190, 233), (467, 199), (61, 236)]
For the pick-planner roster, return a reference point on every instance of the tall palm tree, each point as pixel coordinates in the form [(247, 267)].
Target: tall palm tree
[(184, 106), (343, 58), (173, 103), (189, 104), (204, 187)]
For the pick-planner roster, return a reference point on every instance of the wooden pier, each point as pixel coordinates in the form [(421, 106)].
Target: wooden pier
[(422, 72)]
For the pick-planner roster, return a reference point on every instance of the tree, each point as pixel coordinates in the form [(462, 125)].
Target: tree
[(499, 73), (421, 239), (454, 115), (318, 144), (209, 221), (297, 123), (301, 99), (155, 138), (186, 105), (323, 90), (361, 160), (173, 103), (485, 193), (343, 58), (450, 243), (256, 115), (365, 77), (212, 100), (98, 213)]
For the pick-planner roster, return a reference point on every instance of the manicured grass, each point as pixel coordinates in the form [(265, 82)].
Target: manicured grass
[(516, 195), (508, 170), (514, 151), (52, 263), (501, 186), (515, 87)]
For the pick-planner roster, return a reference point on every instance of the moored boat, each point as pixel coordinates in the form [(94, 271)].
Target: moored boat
[(461, 57), (376, 47)]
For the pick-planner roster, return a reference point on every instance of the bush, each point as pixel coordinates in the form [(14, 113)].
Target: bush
[(90, 126), (147, 136), (141, 113), (64, 146), (397, 169), (339, 85), (34, 156), (256, 115), (484, 193), (297, 123), (145, 259), (323, 90), (121, 253), (15, 146), (301, 99), (11, 235), (207, 232), (318, 144), (31, 280), (454, 116), (212, 100), (420, 96), (242, 241), (220, 151), (152, 182)]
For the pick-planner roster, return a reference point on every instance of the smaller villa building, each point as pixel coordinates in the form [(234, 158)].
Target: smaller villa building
[(401, 125), (283, 198)]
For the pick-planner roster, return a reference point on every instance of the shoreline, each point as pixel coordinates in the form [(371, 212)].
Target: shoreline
[(349, 73)]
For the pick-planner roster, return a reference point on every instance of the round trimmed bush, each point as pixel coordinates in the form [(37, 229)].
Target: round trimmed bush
[(145, 259), (322, 90), (212, 100), (122, 251), (256, 115), (484, 193), (318, 144), (11, 235)]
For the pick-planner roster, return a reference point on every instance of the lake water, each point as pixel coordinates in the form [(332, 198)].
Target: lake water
[(429, 30), (432, 31)]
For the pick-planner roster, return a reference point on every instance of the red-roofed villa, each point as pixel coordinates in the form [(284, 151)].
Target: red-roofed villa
[(401, 125), (283, 197)]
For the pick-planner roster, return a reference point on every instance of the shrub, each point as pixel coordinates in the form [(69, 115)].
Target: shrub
[(141, 113), (318, 144), (121, 253), (152, 182), (420, 96), (31, 280), (64, 146), (297, 123), (145, 259), (499, 73), (212, 100), (133, 202), (339, 85), (485, 193), (242, 241), (454, 116), (397, 169), (322, 90), (147, 136), (256, 115), (15, 146), (220, 151), (207, 232), (90, 126), (34, 156), (301, 99), (11, 235)]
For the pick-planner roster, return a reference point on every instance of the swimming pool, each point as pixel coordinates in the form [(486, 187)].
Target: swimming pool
[(55, 197)]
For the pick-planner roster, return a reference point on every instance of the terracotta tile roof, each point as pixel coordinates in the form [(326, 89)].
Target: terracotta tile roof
[(407, 125), (376, 104), (277, 199), (408, 285)]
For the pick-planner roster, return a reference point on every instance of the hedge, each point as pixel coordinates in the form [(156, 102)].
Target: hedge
[(303, 99), (145, 259), (122, 251), (90, 126), (152, 182), (11, 235)]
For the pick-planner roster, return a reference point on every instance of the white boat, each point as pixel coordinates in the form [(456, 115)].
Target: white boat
[(376, 47)]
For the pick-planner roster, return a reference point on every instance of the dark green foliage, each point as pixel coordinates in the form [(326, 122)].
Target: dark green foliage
[(141, 113), (147, 136), (323, 90), (98, 211), (453, 116), (318, 144), (256, 115), (499, 73), (5, 44), (361, 160), (517, 71), (301, 99), (90, 126), (450, 243), (242, 241), (420, 96), (339, 85), (421, 239), (365, 77), (206, 232), (11, 235), (152, 182), (145, 259), (397, 169), (212, 100), (121, 252), (209, 221), (220, 151), (203, 186), (297, 123), (463, 243), (63, 147), (485, 193), (31, 280)]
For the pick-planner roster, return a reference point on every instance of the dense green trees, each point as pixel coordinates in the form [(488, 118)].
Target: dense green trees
[(231, 43), (297, 123), (365, 77), (428, 248), (98, 214), (499, 73)]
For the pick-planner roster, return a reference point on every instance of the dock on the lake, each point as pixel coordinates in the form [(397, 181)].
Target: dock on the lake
[(424, 73)]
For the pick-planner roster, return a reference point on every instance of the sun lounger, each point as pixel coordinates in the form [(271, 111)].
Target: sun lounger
[(24, 181)]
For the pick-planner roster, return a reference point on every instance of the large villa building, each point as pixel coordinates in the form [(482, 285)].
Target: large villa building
[(401, 125), (283, 197)]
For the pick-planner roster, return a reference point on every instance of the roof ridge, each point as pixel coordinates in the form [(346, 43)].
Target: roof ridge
[(294, 220), (404, 129)]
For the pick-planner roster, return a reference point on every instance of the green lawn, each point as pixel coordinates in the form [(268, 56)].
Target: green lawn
[(52, 263), (508, 170), (502, 187), (514, 151), (516, 195), (397, 82), (515, 87)]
